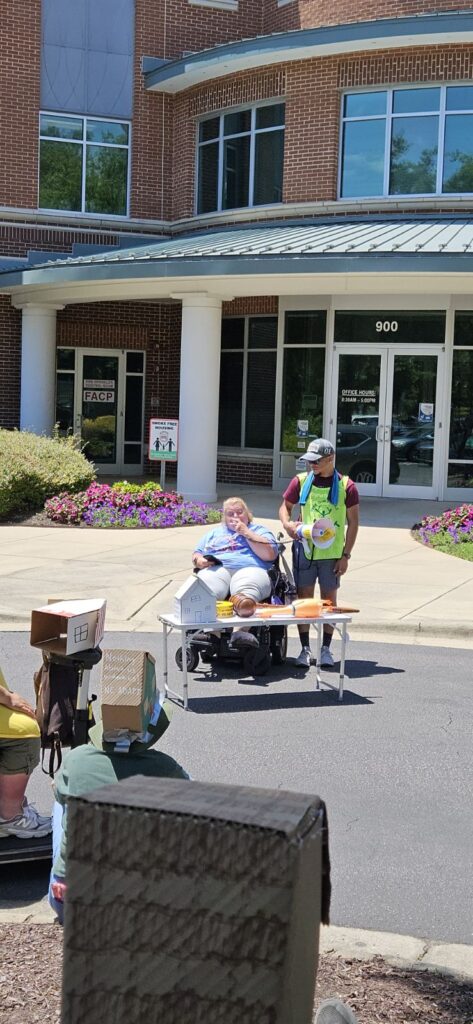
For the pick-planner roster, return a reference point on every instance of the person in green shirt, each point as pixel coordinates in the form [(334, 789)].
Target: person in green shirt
[(104, 760)]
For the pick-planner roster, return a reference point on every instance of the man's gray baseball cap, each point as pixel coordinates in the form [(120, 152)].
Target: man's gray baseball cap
[(318, 449)]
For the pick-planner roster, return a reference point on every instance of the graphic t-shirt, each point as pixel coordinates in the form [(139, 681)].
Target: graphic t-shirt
[(233, 550)]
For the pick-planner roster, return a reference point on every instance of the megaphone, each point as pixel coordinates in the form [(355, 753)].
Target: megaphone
[(321, 534)]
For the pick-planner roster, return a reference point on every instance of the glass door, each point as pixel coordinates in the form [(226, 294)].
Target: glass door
[(412, 424), (387, 418), (360, 389), (99, 401), (109, 400)]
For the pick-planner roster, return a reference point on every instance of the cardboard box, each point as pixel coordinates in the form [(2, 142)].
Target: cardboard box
[(194, 602), (67, 627), (213, 850), (128, 690)]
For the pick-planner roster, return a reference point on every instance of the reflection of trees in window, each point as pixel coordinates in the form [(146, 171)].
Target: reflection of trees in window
[(60, 178), (411, 176), (461, 421), (303, 390), (460, 180), (416, 124), (83, 165), (106, 180)]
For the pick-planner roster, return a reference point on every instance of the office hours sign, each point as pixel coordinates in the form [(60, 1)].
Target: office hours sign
[(163, 435)]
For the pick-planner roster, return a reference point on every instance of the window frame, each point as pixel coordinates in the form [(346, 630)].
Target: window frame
[(246, 317), (462, 492), (252, 133), (84, 142), (389, 117)]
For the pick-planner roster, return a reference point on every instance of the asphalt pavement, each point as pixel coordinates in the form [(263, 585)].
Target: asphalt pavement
[(392, 763)]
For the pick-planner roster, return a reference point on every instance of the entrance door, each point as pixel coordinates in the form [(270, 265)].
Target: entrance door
[(387, 418), (109, 409)]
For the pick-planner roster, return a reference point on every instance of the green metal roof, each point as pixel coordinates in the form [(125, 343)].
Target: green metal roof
[(333, 246)]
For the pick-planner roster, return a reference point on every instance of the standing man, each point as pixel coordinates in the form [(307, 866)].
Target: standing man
[(325, 535)]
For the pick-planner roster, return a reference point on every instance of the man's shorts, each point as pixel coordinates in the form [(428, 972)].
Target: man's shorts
[(19, 757), (307, 573)]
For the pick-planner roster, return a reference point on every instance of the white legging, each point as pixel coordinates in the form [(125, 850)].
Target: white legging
[(252, 581)]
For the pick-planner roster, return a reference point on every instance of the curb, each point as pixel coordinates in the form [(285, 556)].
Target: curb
[(452, 959), (415, 630)]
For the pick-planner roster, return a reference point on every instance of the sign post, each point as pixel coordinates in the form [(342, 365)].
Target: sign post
[(163, 444)]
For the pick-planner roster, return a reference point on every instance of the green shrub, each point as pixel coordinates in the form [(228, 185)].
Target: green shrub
[(33, 468), (123, 487)]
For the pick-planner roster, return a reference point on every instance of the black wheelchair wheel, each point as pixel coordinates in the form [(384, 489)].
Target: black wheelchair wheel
[(192, 659), (257, 661), (279, 646)]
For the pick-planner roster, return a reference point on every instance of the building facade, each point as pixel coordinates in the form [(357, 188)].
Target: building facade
[(255, 216)]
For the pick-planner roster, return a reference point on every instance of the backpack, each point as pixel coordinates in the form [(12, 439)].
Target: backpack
[(56, 686)]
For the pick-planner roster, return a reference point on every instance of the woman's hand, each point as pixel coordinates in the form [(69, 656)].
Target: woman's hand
[(16, 703), (241, 528), (200, 562)]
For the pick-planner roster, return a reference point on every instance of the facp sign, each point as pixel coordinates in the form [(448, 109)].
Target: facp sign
[(92, 395)]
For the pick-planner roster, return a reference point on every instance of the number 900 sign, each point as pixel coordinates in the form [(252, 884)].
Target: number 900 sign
[(386, 326)]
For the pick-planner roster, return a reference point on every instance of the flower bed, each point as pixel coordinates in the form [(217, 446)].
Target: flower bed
[(128, 506), (451, 531)]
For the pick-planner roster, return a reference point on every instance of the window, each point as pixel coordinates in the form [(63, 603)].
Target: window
[(248, 382), (219, 5), (303, 378), (360, 327), (460, 465), (134, 392), (65, 379), (83, 165), (240, 158), (412, 141)]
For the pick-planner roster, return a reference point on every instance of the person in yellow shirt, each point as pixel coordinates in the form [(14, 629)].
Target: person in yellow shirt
[(19, 755)]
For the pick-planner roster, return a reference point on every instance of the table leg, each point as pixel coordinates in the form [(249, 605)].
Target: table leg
[(342, 661), (184, 671), (318, 677), (165, 658)]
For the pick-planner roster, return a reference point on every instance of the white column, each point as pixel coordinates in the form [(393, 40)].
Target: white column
[(199, 396), (38, 368)]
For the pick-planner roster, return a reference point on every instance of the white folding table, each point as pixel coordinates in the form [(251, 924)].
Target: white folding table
[(170, 623)]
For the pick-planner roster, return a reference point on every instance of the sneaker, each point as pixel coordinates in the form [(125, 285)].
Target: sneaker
[(305, 658), (333, 1011), (326, 658), (27, 825)]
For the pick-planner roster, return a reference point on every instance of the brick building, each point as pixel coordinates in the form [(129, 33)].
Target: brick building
[(251, 215)]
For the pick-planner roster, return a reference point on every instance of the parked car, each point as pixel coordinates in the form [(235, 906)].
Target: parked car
[(423, 451), (357, 450), (407, 440)]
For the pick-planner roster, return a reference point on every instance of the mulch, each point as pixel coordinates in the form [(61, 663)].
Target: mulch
[(30, 983), (39, 519)]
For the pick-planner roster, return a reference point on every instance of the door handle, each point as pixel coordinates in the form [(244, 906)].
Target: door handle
[(78, 422), (378, 435)]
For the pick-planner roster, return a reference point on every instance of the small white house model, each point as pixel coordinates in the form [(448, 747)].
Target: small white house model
[(194, 602)]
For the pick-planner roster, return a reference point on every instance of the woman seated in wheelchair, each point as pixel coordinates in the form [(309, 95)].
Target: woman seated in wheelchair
[(234, 557)]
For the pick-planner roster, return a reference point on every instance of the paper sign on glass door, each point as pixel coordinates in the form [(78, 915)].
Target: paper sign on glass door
[(426, 412)]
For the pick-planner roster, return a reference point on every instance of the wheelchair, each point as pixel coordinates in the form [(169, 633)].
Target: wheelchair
[(267, 643)]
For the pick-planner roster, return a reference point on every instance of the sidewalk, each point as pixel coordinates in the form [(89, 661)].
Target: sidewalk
[(403, 589)]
